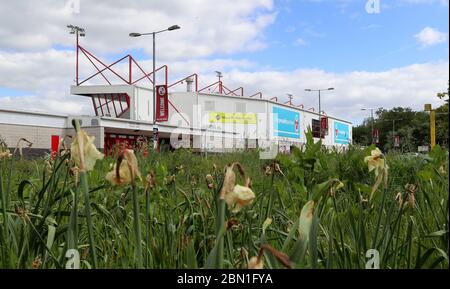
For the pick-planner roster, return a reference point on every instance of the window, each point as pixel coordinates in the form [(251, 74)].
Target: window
[(316, 128)]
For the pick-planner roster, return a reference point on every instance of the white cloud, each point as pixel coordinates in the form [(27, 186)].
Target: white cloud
[(300, 42), (430, 36), (207, 27)]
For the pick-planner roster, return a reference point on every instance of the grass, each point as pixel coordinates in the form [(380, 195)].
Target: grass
[(317, 201)]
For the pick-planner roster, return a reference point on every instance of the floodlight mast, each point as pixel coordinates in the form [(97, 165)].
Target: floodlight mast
[(79, 32)]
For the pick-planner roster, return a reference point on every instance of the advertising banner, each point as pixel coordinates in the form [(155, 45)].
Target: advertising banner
[(341, 133), (286, 122), (232, 117), (162, 103)]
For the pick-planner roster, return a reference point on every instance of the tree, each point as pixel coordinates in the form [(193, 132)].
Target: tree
[(442, 120), (411, 126)]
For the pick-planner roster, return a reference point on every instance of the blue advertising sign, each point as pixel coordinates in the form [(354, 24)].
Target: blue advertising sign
[(341, 133), (286, 122)]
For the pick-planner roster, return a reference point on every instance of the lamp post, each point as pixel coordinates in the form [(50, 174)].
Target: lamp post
[(393, 127), (371, 117), (135, 34), (320, 111)]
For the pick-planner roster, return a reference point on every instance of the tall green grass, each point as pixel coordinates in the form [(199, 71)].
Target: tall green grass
[(181, 223)]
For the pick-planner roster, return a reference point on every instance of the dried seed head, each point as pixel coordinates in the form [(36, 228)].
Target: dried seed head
[(231, 223), (209, 181), (170, 179), (268, 171), (193, 181), (22, 213), (399, 199), (180, 169), (266, 224), (278, 169), (150, 180), (37, 262), (411, 188)]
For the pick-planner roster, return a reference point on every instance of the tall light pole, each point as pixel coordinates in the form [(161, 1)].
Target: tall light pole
[(393, 127), (320, 111), (79, 32), (135, 34), (371, 117)]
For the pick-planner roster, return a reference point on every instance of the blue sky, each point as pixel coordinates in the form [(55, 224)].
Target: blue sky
[(342, 41)]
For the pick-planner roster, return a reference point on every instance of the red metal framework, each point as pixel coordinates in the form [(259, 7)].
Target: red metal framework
[(117, 103), (195, 76), (301, 106), (276, 98), (258, 93), (216, 85), (233, 92), (128, 79)]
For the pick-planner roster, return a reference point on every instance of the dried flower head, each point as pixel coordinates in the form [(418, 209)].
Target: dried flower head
[(236, 196), (375, 161), (256, 263), (4, 151), (84, 152), (126, 169)]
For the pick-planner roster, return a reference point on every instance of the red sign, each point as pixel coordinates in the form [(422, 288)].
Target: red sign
[(376, 136), (55, 145), (162, 103), (324, 122), (397, 141)]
